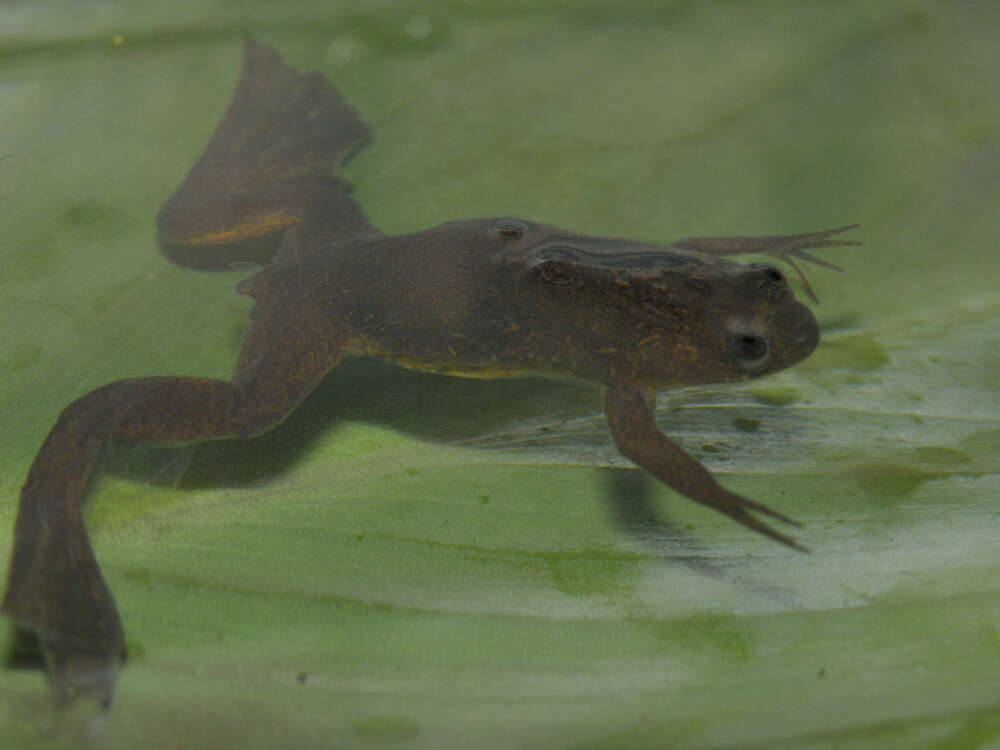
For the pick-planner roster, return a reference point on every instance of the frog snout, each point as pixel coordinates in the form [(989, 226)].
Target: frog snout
[(808, 339), (796, 331)]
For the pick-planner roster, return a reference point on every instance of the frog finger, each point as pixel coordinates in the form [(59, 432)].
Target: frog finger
[(801, 275), (777, 244), (803, 255), (761, 508), (734, 506), (785, 247)]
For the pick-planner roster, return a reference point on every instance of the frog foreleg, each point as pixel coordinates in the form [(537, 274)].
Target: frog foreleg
[(786, 247), (629, 413)]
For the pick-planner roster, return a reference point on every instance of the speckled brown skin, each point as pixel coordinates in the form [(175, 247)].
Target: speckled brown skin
[(481, 297)]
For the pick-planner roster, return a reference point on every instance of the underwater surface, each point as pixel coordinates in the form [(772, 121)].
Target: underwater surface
[(422, 561)]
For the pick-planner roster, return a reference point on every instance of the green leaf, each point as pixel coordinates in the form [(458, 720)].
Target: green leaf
[(414, 560)]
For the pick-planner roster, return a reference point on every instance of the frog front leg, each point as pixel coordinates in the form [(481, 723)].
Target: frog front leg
[(55, 588), (630, 416), (787, 247)]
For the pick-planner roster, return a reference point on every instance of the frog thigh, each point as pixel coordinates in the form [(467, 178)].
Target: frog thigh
[(55, 588)]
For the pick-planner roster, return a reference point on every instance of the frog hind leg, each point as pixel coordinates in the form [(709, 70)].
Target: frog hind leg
[(269, 166), (629, 413), (55, 588), (786, 247)]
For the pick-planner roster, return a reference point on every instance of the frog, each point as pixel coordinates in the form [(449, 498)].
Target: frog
[(484, 297)]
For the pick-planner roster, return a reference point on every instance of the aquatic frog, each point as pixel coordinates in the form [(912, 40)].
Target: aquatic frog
[(479, 297)]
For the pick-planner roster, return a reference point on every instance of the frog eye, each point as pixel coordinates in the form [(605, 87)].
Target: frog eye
[(749, 351), (508, 229), (748, 347)]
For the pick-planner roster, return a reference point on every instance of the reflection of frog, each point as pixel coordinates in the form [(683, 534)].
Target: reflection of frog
[(483, 297)]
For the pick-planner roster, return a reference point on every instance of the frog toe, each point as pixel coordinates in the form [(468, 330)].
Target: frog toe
[(76, 674)]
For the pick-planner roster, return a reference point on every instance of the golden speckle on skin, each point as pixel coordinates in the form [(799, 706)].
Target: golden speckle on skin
[(649, 339)]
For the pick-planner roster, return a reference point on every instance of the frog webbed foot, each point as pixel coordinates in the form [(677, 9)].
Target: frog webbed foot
[(77, 674)]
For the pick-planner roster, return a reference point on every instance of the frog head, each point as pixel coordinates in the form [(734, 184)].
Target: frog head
[(616, 309)]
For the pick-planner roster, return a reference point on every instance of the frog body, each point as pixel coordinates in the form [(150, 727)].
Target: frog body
[(480, 297)]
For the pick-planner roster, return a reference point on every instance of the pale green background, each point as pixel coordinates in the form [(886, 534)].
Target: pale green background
[(436, 556)]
